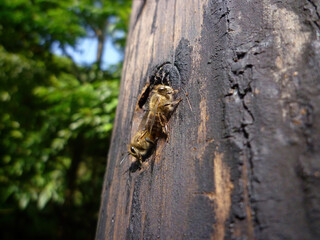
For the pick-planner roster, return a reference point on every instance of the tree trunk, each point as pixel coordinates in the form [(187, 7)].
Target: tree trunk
[(245, 162)]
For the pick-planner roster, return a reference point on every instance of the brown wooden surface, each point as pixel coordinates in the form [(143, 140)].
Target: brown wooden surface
[(245, 163)]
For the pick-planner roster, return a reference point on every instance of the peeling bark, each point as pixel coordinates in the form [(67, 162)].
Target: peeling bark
[(245, 162)]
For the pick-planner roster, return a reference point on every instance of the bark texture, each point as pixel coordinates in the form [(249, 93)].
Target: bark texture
[(245, 163)]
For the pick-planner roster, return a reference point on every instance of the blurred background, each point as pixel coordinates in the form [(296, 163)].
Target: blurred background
[(60, 66)]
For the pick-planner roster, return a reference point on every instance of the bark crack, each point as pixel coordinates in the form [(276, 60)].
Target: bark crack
[(241, 91), (247, 164), (317, 13)]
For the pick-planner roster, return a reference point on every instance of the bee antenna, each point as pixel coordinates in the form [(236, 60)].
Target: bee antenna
[(126, 171), (124, 158), (187, 99)]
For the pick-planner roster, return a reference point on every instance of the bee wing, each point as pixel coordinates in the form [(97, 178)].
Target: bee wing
[(152, 117)]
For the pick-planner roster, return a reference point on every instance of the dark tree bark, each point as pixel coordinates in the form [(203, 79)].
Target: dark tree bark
[(245, 163), (101, 35)]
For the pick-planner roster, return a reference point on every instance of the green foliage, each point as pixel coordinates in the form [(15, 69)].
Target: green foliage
[(55, 117), (40, 121), (109, 16)]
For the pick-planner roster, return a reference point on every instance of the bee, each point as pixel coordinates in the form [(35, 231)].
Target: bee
[(142, 145), (154, 123), (143, 142), (161, 106)]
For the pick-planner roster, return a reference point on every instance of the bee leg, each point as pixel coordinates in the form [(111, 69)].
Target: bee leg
[(149, 141), (163, 76), (142, 135), (164, 126), (167, 133), (173, 104), (176, 102), (166, 78), (161, 123)]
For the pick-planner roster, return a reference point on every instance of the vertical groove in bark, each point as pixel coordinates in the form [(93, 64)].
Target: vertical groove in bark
[(244, 164)]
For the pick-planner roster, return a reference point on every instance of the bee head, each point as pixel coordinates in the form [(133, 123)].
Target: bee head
[(164, 90), (132, 151)]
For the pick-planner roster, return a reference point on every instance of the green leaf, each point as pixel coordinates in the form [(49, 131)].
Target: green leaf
[(24, 200), (16, 134), (44, 197)]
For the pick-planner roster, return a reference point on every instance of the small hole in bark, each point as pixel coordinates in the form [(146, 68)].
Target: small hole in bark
[(144, 96), (241, 55)]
